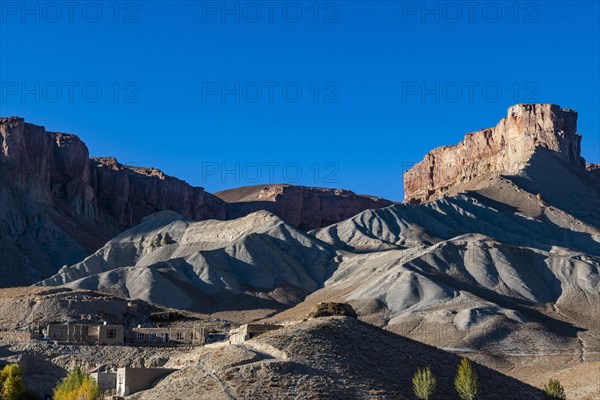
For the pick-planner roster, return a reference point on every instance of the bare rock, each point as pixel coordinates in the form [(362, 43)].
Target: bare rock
[(301, 206), (57, 205), (593, 170), (206, 266), (131, 193), (504, 149)]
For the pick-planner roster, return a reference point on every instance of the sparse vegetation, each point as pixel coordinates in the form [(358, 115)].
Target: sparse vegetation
[(424, 383), (467, 380), (166, 316), (77, 386), (11, 382), (332, 309), (554, 390)]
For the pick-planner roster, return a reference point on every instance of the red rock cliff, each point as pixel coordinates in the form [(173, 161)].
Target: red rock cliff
[(503, 149), (57, 205), (301, 206)]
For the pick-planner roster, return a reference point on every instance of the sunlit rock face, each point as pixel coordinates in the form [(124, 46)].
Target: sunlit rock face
[(503, 149)]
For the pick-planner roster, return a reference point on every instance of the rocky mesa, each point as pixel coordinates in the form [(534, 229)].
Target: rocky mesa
[(503, 149), (301, 206)]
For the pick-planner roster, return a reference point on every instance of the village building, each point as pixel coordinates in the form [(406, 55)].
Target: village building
[(249, 331), (79, 333), (117, 335), (132, 380), (72, 333), (107, 381), (111, 334), (168, 335)]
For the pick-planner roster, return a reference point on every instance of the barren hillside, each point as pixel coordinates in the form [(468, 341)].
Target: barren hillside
[(324, 358)]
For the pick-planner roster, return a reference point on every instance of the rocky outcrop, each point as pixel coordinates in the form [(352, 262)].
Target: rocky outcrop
[(52, 166), (44, 200), (300, 206), (57, 205), (129, 194), (504, 149), (594, 170)]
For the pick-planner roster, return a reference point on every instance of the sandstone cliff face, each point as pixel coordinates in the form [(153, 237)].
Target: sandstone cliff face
[(43, 196), (131, 193), (52, 166), (57, 205), (504, 149), (300, 206)]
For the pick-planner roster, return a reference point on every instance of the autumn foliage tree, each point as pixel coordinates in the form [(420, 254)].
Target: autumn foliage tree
[(77, 386), (423, 383), (467, 380), (11, 383)]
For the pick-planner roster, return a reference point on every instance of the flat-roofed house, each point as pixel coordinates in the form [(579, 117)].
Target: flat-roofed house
[(72, 333), (169, 335), (132, 380), (111, 334), (107, 381), (79, 333)]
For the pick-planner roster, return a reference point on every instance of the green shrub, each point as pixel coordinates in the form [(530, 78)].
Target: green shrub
[(423, 383), (467, 381), (554, 390)]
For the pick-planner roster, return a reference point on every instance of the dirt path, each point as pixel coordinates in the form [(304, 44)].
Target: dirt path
[(224, 385), (263, 349)]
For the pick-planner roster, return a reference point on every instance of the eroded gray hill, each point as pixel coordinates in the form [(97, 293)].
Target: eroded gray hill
[(257, 261), (502, 256), (504, 262)]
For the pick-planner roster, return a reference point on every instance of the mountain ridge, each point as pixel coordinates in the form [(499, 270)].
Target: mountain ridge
[(58, 205)]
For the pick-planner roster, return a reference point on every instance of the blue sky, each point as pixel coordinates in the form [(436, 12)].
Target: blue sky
[(341, 94)]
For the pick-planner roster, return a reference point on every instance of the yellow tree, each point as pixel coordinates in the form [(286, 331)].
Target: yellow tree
[(423, 383), (11, 382), (77, 386), (467, 381)]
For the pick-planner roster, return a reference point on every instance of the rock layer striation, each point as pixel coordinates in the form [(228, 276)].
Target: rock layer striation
[(300, 206), (503, 149)]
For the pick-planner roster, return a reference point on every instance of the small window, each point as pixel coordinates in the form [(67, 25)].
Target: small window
[(111, 333), (180, 336), (140, 336), (152, 336)]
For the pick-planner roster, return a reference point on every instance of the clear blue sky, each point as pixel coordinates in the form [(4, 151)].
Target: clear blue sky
[(381, 82)]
